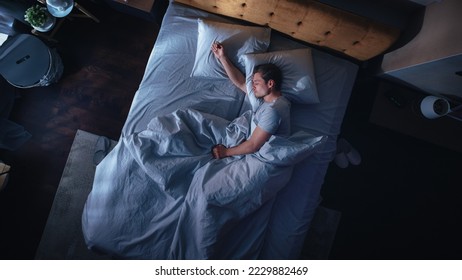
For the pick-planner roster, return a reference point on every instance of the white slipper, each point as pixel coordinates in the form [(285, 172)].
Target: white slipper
[(341, 160), (351, 153)]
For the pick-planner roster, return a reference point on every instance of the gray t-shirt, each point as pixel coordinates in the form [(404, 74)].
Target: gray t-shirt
[(272, 117)]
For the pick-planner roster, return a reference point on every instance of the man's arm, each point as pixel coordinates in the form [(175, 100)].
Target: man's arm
[(236, 77), (253, 144)]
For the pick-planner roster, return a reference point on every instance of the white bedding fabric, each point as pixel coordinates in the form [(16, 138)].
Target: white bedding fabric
[(160, 194), (131, 217)]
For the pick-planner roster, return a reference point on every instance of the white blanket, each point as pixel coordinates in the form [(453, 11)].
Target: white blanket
[(159, 193)]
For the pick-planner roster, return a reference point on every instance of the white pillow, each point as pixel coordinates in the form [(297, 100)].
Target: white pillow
[(237, 40), (298, 84)]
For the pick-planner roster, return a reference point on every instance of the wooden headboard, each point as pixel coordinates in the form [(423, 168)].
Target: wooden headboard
[(311, 22)]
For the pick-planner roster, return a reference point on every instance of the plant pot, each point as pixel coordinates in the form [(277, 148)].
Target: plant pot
[(48, 25)]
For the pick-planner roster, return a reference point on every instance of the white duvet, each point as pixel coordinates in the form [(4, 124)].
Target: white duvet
[(159, 194)]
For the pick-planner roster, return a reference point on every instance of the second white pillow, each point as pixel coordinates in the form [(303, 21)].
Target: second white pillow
[(237, 40)]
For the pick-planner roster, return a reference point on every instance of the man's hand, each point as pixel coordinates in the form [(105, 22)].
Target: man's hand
[(219, 151), (218, 50)]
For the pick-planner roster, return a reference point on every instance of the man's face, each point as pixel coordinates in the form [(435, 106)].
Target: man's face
[(260, 88)]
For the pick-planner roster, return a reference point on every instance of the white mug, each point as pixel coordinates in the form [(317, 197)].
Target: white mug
[(433, 107)]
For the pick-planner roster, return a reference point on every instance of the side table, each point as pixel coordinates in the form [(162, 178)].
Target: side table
[(397, 108), (77, 12)]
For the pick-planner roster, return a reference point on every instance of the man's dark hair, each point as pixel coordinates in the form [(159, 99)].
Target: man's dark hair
[(268, 72)]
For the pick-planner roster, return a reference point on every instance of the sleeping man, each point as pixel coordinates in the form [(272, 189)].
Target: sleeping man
[(271, 114)]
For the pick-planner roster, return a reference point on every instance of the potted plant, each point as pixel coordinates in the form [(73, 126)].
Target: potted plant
[(39, 18)]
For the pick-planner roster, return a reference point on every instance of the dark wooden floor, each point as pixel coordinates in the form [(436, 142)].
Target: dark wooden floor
[(103, 65)]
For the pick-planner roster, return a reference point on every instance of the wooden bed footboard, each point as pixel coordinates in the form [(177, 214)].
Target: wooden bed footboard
[(311, 22)]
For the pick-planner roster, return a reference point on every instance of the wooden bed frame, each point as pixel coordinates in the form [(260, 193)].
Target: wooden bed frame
[(311, 22)]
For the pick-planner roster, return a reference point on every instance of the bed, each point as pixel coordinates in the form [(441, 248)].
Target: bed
[(159, 194)]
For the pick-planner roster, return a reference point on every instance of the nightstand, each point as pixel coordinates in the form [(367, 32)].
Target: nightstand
[(398, 108), (152, 10), (77, 12)]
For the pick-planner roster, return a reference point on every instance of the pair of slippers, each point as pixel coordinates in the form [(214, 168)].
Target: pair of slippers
[(102, 148), (346, 154), (4, 172)]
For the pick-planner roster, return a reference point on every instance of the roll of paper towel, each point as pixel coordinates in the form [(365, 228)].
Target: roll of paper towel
[(433, 107)]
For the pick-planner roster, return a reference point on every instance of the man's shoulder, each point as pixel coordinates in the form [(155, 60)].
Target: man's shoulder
[(284, 100), (281, 103)]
